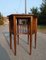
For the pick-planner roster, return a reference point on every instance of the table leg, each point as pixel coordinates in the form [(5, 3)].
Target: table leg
[(36, 33), (28, 38), (28, 33), (18, 33), (30, 43), (35, 39), (31, 35), (10, 40), (14, 35), (10, 35)]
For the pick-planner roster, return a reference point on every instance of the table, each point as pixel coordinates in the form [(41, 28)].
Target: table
[(14, 28)]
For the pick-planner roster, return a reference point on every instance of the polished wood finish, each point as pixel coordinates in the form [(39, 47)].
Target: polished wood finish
[(10, 35), (14, 34), (14, 28)]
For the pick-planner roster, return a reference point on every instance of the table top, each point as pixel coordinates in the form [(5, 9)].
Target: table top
[(21, 15)]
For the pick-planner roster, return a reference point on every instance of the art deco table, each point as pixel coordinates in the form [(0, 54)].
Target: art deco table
[(14, 25)]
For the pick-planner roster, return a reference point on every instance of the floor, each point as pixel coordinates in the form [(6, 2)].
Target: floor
[(23, 48)]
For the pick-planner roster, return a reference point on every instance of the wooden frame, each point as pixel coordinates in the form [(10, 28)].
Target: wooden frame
[(32, 28)]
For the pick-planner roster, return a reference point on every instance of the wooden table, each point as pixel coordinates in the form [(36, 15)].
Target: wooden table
[(14, 28)]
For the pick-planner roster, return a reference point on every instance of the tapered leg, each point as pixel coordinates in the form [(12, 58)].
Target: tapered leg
[(10, 35), (36, 31), (30, 44), (10, 40), (18, 39), (28, 33), (28, 38), (18, 33), (35, 39), (31, 35), (14, 35), (14, 43)]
